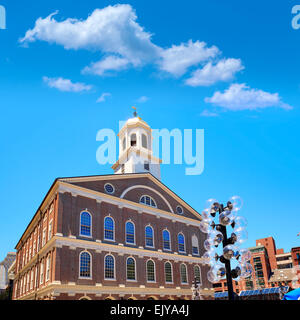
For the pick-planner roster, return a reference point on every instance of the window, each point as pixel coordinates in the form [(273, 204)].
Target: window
[(147, 166), (109, 268), (124, 144), (181, 244), (50, 231), (85, 224), (144, 141), (44, 238), (85, 265), (197, 274), (130, 234), (183, 273), (149, 237), (42, 273), (48, 269), (166, 240), (31, 279), (109, 229), (130, 264), (133, 140), (109, 188), (179, 210), (148, 201), (150, 271), (195, 245), (168, 272)]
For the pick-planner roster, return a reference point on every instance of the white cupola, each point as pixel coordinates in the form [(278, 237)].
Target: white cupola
[(135, 145)]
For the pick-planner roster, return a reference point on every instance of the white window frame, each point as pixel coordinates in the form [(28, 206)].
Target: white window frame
[(148, 281), (170, 240), (114, 230), (186, 273), (134, 242), (135, 274), (91, 266), (91, 231), (110, 279), (184, 250), (147, 246), (172, 273)]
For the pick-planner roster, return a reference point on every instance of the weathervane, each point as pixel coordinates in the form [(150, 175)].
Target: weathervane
[(135, 112)]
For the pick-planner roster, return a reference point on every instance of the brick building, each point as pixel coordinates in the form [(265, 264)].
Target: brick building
[(272, 267), (120, 236)]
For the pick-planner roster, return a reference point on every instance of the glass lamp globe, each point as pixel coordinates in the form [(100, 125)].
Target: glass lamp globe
[(216, 237), (247, 270), (207, 244), (204, 227), (210, 257), (230, 252), (226, 218), (206, 216), (219, 270), (237, 203), (240, 223), (245, 255), (212, 205), (241, 236), (211, 277)]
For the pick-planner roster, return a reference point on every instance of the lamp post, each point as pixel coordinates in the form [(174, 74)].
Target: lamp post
[(196, 290), (218, 238)]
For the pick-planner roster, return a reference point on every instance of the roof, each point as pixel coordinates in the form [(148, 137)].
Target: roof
[(109, 176)]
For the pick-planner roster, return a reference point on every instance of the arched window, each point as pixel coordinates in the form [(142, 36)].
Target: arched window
[(130, 232), (168, 272), (130, 266), (85, 224), (144, 141), (124, 144), (148, 201), (195, 245), (150, 271), (183, 273), (149, 237), (85, 265), (197, 274), (109, 263), (166, 240), (181, 244), (109, 229), (133, 140)]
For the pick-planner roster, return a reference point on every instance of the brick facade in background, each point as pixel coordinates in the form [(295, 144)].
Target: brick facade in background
[(271, 266)]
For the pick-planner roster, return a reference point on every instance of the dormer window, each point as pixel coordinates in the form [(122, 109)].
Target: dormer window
[(133, 141)]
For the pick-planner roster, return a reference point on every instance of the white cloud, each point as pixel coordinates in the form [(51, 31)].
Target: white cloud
[(142, 99), (114, 31), (207, 113), (242, 97), (103, 97), (224, 70), (66, 85), (177, 59), (110, 63)]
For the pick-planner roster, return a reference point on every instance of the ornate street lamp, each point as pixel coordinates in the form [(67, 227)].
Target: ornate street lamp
[(220, 262)]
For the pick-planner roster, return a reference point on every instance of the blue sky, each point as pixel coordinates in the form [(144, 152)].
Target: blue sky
[(193, 61)]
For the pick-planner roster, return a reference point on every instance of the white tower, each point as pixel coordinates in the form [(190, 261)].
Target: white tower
[(136, 155)]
